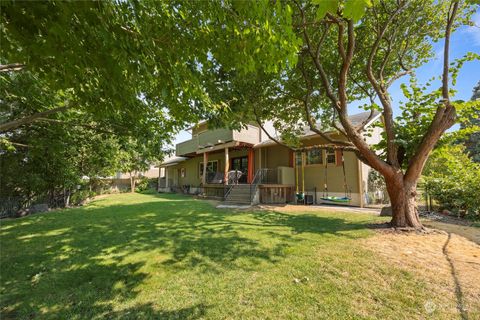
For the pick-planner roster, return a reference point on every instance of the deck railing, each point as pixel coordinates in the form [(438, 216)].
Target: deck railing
[(262, 176)]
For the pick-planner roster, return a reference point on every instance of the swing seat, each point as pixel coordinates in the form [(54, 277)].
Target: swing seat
[(336, 200), (300, 196)]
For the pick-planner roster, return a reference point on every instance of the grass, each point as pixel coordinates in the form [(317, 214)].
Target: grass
[(148, 256)]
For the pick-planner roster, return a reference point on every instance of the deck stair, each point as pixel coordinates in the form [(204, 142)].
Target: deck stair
[(239, 195)]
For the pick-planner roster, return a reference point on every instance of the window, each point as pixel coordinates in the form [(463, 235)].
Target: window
[(212, 166), (314, 157), (331, 156), (183, 173), (298, 159)]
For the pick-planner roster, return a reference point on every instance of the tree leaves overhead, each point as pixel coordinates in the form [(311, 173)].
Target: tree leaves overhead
[(355, 9), (352, 9), (111, 54), (325, 6)]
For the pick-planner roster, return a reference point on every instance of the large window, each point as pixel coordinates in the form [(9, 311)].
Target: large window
[(212, 166), (331, 156), (314, 157)]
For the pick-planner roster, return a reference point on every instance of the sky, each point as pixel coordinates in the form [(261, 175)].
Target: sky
[(465, 39)]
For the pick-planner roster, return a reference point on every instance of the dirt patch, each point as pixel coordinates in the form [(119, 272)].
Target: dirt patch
[(469, 232), (326, 208), (449, 264)]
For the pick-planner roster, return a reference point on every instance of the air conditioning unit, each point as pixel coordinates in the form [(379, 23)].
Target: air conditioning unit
[(286, 175)]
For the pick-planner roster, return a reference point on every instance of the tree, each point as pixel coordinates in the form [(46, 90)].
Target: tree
[(453, 179), (109, 55), (135, 157), (472, 141), (47, 160), (353, 50)]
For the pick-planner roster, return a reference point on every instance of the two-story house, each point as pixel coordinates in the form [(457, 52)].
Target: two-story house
[(245, 166)]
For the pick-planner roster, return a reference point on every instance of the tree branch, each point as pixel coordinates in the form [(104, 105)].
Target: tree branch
[(323, 76), (381, 91), (367, 155), (259, 121), (328, 147), (445, 114), (8, 126), (11, 67)]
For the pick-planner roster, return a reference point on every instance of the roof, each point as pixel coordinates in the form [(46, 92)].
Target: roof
[(197, 124), (172, 161), (356, 119)]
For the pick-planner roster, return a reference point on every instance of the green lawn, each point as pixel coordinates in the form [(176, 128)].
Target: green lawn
[(147, 256)]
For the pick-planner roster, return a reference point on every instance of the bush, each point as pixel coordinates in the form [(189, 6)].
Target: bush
[(81, 196), (153, 183), (142, 184), (453, 180)]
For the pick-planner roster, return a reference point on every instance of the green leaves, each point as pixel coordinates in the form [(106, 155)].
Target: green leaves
[(355, 9), (352, 9), (325, 6), (453, 180)]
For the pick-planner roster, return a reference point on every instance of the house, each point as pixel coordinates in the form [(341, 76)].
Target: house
[(210, 162), (120, 181), (151, 172)]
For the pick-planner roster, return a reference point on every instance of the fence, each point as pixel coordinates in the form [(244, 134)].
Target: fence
[(10, 206)]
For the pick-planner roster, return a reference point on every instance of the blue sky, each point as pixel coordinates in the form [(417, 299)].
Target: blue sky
[(466, 39)]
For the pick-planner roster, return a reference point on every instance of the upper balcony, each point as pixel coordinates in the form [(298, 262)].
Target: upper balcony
[(186, 147), (217, 137)]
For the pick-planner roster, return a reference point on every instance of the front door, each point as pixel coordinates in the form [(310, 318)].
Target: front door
[(240, 164)]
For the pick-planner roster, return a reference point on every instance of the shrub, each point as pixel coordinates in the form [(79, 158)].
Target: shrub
[(80, 196), (153, 183), (453, 180), (141, 185)]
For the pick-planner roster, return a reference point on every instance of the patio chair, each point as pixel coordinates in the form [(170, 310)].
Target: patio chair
[(234, 176)]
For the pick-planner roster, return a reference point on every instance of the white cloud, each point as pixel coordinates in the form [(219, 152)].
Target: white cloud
[(474, 31)]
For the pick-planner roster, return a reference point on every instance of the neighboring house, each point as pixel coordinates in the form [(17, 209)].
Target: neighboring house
[(121, 180), (269, 172), (152, 172)]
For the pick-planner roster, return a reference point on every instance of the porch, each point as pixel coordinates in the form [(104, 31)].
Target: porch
[(267, 186)]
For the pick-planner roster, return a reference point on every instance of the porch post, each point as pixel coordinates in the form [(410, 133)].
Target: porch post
[(251, 158), (259, 158), (205, 160), (159, 179), (166, 178), (227, 166)]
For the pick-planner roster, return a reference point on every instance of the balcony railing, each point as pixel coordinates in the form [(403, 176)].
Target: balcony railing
[(186, 147), (213, 137)]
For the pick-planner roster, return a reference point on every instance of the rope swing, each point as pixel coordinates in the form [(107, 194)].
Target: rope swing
[(300, 196), (333, 199)]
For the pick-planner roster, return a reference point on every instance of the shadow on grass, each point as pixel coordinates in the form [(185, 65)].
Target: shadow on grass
[(75, 263)]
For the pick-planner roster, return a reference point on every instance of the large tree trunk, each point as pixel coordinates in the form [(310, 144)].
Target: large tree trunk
[(403, 202)]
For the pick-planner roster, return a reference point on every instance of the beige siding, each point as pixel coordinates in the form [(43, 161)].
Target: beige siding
[(315, 175), (273, 156), (251, 134)]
